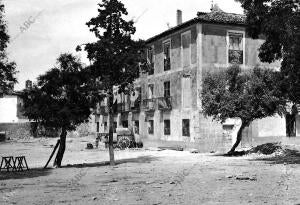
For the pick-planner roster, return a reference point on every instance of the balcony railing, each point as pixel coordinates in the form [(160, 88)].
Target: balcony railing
[(164, 103), (101, 110), (123, 107), (136, 105), (149, 104), (161, 103)]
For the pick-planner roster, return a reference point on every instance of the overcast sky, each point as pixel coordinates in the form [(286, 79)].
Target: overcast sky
[(58, 26)]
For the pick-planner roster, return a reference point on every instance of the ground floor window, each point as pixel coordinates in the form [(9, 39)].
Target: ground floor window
[(186, 127), (98, 127), (167, 127), (290, 125), (115, 127), (105, 126), (151, 127), (125, 123), (136, 127)]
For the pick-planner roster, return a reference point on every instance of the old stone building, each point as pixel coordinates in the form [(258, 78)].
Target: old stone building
[(166, 106)]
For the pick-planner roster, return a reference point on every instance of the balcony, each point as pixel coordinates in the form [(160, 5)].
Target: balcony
[(149, 104), (102, 110), (123, 107), (136, 105), (164, 103)]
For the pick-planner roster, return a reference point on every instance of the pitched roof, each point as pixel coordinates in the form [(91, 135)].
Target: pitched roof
[(215, 17), (221, 17)]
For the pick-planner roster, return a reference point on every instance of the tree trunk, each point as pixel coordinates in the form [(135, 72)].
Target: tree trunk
[(238, 139), (61, 149), (111, 132)]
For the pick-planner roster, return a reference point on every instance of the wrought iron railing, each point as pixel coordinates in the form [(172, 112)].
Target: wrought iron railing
[(149, 104)]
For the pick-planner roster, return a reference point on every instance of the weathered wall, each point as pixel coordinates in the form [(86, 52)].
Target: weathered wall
[(16, 130), (8, 109)]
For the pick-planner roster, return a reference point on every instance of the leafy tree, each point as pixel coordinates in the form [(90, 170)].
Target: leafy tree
[(60, 99), (248, 95), (7, 68), (279, 22), (116, 58)]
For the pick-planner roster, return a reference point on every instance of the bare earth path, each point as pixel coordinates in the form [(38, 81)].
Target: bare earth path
[(148, 177)]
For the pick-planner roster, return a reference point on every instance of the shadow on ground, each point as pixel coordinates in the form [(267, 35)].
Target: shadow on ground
[(287, 157), (139, 160), (233, 154), (31, 173)]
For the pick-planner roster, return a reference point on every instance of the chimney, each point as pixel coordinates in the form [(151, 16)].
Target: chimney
[(179, 17), (28, 85)]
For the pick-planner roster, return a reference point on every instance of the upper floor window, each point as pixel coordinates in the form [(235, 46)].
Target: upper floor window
[(150, 91), (186, 50), (167, 52), (235, 48), (150, 60), (167, 92)]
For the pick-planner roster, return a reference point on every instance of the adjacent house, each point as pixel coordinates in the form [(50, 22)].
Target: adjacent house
[(166, 105)]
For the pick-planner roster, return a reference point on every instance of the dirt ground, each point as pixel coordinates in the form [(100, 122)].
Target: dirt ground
[(147, 177)]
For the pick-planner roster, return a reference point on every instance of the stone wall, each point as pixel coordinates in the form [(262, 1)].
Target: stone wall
[(16, 130)]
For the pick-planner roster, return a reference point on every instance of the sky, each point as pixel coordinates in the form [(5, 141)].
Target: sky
[(42, 30)]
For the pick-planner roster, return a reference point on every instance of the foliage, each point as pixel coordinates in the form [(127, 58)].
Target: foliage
[(279, 22), (116, 58), (59, 99), (7, 68), (248, 95)]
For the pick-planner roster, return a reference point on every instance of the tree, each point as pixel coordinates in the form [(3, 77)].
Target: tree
[(7, 68), (247, 95), (116, 58), (279, 22), (60, 99)]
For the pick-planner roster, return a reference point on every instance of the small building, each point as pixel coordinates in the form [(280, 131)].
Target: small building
[(10, 109), (165, 108)]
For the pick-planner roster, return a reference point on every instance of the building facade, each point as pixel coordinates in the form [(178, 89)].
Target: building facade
[(166, 105)]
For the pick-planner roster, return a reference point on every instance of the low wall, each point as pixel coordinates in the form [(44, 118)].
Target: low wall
[(16, 130)]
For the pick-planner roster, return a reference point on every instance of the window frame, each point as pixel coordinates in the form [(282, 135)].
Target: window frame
[(169, 83), (150, 85), (228, 44), (151, 133), (170, 49), (190, 47), (169, 128), (153, 59), (189, 128), (137, 128)]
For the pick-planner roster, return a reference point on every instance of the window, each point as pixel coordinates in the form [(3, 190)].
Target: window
[(186, 127), (136, 98), (115, 127), (186, 92), (150, 60), (98, 127), (167, 129), (151, 127), (235, 48), (136, 127), (150, 91), (290, 125), (105, 126), (167, 92), (125, 123), (167, 51), (186, 51)]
